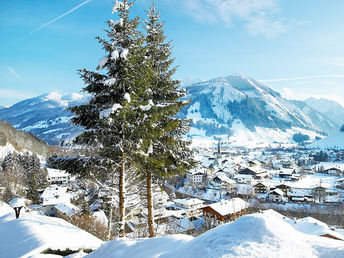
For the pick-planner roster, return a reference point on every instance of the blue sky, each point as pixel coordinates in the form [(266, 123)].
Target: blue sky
[(293, 46)]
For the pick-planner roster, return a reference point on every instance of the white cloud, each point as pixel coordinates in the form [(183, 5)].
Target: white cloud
[(300, 88), (258, 16)]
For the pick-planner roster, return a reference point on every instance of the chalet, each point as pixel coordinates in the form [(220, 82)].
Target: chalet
[(243, 179), (261, 188), (225, 210), (284, 188), (51, 197), (276, 196), (196, 178), (297, 197), (224, 181), (334, 172), (58, 177), (257, 174)]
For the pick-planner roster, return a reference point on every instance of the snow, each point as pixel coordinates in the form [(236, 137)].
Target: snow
[(127, 97), (67, 208), (148, 106), (265, 234), (57, 97), (333, 141), (31, 234), (18, 202), (107, 112), (124, 53), (101, 217), (54, 195), (103, 62), (232, 206), (110, 82), (114, 54)]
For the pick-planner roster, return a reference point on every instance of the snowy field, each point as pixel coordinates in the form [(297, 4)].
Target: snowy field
[(266, 234), (32, 233)]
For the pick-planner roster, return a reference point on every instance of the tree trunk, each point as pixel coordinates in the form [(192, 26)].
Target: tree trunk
[(122, 199), (110, 222), (150, 205)]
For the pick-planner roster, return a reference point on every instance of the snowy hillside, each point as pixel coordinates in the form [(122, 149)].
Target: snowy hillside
[(44, 116), (266, 234), (230, 105), (31, 234), (333, 141), (331, 109)]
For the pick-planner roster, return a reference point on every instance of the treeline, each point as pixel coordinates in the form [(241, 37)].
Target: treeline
[(22, 175)]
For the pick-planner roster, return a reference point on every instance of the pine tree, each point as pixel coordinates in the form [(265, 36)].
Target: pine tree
[(166, 152), (111, 117)]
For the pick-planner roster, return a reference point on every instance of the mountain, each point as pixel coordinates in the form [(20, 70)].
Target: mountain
[(12, 139), (329, 108), (45, 116), (236, 108), (333, 141), (237, 103)]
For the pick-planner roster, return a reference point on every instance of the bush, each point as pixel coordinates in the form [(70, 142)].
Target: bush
[(88, 223)]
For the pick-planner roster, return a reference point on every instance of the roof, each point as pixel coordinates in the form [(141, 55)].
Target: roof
[(277, 191), (232, 206), (54, 195)]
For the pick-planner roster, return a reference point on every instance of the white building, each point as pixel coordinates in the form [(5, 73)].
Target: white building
[(52, 196), (56, 176)]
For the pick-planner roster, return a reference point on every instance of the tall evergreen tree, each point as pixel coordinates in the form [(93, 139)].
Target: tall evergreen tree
[(166, 152), (111, 117)]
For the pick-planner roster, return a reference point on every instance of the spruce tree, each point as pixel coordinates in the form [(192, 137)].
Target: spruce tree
[(166, 152), (111, 117)]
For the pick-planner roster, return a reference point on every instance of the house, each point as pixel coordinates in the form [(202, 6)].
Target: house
[(284, 188), (196, 178), (224, 182), (333, 172), (297, 197), (243, 179), (58, 177), (261, 188), (252, 172), (226, 210), (190, 206), (51, 197), (276, 195)]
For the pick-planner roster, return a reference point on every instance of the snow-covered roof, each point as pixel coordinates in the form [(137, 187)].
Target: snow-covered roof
[(188, 202), (232, 206), (54, 194), (67, 208), (277, 191), (56, 173)]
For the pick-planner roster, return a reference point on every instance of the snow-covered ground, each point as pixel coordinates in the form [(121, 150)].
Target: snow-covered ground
[(33, 233), (266, 234)]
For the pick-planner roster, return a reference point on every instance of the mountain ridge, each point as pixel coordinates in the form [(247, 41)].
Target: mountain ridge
[(220, 107)]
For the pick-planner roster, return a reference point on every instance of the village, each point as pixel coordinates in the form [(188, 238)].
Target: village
[(226, 184)]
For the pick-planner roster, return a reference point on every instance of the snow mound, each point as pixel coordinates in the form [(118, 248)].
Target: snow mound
[(265, 234), (31, 234)]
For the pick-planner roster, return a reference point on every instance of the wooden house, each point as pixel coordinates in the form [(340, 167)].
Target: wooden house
[(225, 210)]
